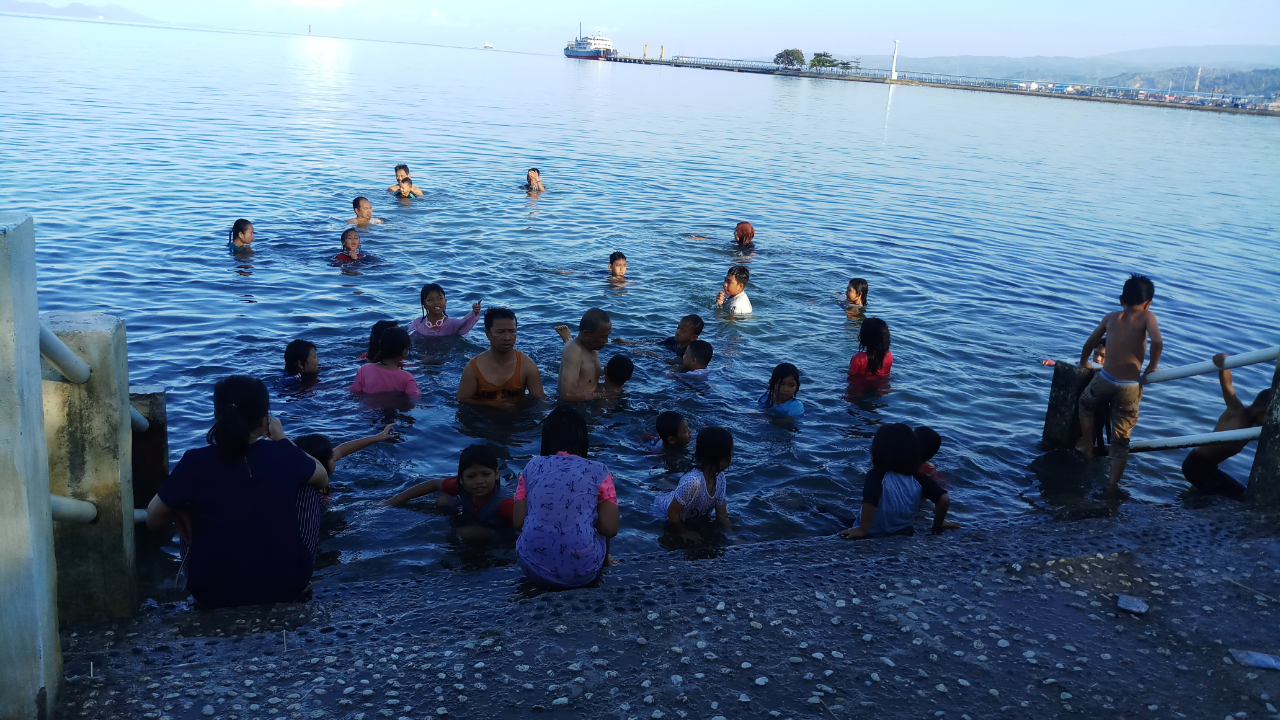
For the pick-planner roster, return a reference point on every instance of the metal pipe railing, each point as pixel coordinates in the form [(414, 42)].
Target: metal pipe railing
[(139, 515), (1186, 441), (59, 356), (1200, 368), (67, 509), (137, 421)]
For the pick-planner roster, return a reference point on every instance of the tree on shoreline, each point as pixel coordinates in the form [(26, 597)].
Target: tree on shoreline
[(822, 60), (789, 58)]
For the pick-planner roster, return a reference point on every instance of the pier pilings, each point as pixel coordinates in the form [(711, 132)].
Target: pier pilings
[(1264, 478), (1062, 419)]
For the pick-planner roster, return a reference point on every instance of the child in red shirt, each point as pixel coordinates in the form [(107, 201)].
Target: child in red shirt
[(350, 247), (474, 494), (874, 357)]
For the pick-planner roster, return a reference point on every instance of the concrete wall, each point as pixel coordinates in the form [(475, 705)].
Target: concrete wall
[(1062, 418), (89, 439), (150, 448), (1264, 479), (30, 656)]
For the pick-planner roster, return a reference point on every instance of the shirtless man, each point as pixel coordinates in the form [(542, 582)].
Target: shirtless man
[(402, 174), (1119, 381), (364, 212), (1201, 466), (502, 372), (580, 360)]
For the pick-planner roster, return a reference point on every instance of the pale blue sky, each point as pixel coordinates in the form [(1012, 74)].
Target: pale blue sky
[(745, 28)]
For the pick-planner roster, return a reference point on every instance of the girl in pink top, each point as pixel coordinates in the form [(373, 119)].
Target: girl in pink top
[(874, 357), (386, 375), (566, 508), (434, 322)]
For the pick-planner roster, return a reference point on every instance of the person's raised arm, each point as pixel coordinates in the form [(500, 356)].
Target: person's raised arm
[(532, 378), (1157, 345), (467, 386), (320, 478), (354, 446), (607, 518), (1092, 342), (940, 508), (416, 491), (864, 524), (1224, 379)]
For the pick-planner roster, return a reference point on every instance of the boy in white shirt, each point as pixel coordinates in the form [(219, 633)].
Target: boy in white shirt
[(734, 295)]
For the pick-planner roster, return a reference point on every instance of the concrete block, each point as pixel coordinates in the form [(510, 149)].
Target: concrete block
[(89, 438), (150, 448), (1062, 419), (1264, 478), (30, 655)]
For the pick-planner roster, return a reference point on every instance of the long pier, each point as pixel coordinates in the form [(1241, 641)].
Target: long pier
[(1212, 102)]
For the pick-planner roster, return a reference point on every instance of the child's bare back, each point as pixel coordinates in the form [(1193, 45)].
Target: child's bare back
[(1127, 332)]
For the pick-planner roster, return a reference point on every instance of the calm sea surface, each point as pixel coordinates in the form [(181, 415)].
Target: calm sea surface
[(995, 231)]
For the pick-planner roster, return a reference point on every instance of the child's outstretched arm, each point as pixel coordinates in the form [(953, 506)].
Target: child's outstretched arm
[(354, 446), (940, 521), (1094, 340), (864, 524), (416, 491), (1228, 388)]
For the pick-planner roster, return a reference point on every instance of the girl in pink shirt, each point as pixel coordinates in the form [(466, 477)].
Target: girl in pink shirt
[(874, 357), (434, 322), (385, 375)]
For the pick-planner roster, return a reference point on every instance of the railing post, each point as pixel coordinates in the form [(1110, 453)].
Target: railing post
[(1264, 478), (30, 653), (89, 436), (1062, 419), (151, 446)]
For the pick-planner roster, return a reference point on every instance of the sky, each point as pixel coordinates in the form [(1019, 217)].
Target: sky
[(756, 28)]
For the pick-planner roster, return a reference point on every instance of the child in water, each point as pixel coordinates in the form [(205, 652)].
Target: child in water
[(402, 174), (780, 398), (873, 357), (566, 507), (350, 247), (617, 372), (320, 448), (856, 292), (241, 237), (672, 433), (734, 295), (405, 190), (300, 364), (696, 359), (744, 235), (929, 442), (533, 181), (375, 334), (385, 374), (434, 322), (687, 331), (618, 267), (892, 491), (474, 494), (702, 489)]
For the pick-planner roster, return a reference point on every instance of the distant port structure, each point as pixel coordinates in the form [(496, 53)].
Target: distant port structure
[(1192, 100)]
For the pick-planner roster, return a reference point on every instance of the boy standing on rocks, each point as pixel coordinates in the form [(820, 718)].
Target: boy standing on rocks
[(1119, 383)]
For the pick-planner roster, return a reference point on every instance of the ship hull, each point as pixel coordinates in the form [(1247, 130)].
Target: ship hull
[(590, 54)]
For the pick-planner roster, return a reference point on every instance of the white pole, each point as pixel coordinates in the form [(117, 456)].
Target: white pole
[(1186, 441), (71, 510), (893, 73), (59, 356), (1200, 368), (1198, 79)]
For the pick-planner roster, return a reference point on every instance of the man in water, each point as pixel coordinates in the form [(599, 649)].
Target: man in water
[(580, 360), (1201, 466), (533, 181), (402, 174), (364, 212), (502, 372)]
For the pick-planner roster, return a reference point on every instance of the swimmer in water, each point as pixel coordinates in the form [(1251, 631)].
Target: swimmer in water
[(617, 372), (744, 236), (618, 267), (580, 359), (856, 292), (241, 237), (402, 174), (364, 212), (693, 365), (350, 247), (533, 181), (1201, 466), (475, 495), (501, 373), (405, 191)]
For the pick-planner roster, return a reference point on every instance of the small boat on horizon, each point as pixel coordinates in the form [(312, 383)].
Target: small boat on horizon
[(487, 46), (596, 47)]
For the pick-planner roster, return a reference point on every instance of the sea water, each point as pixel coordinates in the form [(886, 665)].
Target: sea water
[(995, 231)]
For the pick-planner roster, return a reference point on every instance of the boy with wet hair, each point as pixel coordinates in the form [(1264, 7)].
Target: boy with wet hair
[(402, 174), (734, 295), (696, 359), (617, 266), (1201, 466), (533, 181), (687, 331), (364, 212), (673, 429), (1119, 382), (616, 374)]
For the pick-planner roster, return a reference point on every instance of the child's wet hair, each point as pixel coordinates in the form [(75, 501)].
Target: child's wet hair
[(669, 423), (564, 430), (240, 402), (347, 233), (375, 336), (317, 446), (427, 290), (873, 339), (403, 167), (929, 442), (694, 322), (713, 447), (393, 343), (895, 449), (619, 369), (355, 204), (239, 226), (296, 354), (615, 257), (404, 180), (780, 373), (1138, 289), (744, 233), (592, 320), (859, 286), (739, 273), (478, 454), (495, 314), (701, 351)]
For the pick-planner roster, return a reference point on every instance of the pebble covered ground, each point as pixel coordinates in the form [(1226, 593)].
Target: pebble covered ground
[(1019, 622)]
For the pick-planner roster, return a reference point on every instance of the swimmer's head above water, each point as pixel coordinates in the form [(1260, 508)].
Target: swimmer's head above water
[(744, 234), (406, 186), (533, 180), (241, 235), (300, 358), (697, 356), (689, 329), (673, 429), (402, 173), (618, 266), (784, 384), (500, 328), (351, 243), (478, 470), (363, 210), (856, 292)]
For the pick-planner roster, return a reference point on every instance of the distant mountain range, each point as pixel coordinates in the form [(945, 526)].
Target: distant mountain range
[(1237, 82), (114, 13)]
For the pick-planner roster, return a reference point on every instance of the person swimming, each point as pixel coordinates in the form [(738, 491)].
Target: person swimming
[(241, 237), (533, 181), (364, 212), (350, 248), (402, 174)]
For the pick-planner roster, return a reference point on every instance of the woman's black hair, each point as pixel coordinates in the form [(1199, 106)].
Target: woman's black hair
[(317, 446), (860, 286), (394, 343), (873, 339), (478, 454), (238, 227), (780, 373), (564, 430), (240, 402), (427, 290), (714, 446), (895, 449), (930, 442), (375, 335), (296, 354)]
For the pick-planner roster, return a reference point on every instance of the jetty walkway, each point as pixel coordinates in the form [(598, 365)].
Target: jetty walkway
[(1213, 102)]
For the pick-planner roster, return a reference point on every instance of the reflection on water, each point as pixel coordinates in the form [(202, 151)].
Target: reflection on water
[(994, 231)]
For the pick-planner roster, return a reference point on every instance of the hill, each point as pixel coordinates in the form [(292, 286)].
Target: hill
[(76, 10), (1240, 82)]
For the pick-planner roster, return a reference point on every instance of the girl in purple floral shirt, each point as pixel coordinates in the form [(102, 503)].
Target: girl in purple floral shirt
[(434, 322)]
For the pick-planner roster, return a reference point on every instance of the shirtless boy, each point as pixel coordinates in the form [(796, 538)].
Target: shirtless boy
[(1201, 466), (364, 212), (501, 373), (402, 174), (1119, 381), (580, 360), (618, 267)]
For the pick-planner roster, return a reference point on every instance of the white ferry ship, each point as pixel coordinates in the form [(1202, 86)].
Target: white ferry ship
[(596, 47)]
